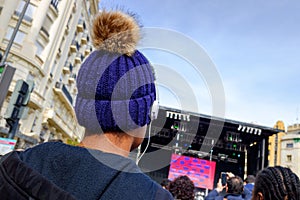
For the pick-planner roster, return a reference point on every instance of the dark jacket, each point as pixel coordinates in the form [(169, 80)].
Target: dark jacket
[(214, 195), (59, 171), (249, 186)]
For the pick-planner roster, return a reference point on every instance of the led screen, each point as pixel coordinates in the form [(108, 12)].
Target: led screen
[(201, 172)]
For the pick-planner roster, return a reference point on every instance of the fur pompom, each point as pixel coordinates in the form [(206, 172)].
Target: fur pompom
[(115, 31)]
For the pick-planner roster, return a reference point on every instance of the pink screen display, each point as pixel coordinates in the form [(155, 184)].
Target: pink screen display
[(201, 172)]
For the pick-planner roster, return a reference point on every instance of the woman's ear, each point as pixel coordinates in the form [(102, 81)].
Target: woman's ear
[(260, 196)]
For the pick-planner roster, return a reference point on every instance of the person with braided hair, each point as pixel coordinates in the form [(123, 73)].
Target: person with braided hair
[(276, 183)]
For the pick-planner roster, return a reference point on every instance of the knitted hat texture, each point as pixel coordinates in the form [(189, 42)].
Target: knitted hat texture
[(116, 82)]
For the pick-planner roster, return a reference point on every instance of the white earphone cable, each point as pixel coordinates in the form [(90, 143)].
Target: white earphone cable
[(149, 135)]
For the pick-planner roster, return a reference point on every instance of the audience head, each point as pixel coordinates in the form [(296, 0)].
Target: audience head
[(182, 188), (276, 183), (250, 179), (235, 185)]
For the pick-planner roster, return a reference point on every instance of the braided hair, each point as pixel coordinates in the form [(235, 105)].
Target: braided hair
[(277, 183), (182, 188)]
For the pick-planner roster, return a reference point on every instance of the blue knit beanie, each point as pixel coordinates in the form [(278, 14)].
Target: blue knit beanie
[(116, 82)]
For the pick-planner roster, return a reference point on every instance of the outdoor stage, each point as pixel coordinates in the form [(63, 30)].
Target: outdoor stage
[(232, 146)]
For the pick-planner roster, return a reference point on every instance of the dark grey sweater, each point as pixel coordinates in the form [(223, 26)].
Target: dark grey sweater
[(75, 172)]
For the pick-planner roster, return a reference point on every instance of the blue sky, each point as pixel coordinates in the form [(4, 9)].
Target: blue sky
[(255, 46)]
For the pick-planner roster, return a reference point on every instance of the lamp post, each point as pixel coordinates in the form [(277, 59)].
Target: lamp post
[(210, 159)]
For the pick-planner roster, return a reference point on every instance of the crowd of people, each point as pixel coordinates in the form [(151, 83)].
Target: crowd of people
[(271, 183), (116, 94)]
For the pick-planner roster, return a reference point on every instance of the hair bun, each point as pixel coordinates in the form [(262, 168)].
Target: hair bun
[(116, 32)]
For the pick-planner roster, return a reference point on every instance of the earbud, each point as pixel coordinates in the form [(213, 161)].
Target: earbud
[(155, 105)]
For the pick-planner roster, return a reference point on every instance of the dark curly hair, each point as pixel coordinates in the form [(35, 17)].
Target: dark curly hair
[(165, 183), (277, 183), (182, 188)]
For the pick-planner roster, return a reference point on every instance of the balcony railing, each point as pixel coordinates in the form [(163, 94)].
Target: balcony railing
[(60, 87), (72, 78), (86, 52), (68, 67), (79, 57), (67, 93), (81, 26), (26, 17), (83, 40), (54, 3), (43, 30)]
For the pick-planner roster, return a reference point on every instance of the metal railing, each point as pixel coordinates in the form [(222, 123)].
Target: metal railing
[(67, 94), (54, 3), (65, 91), (43, 29)]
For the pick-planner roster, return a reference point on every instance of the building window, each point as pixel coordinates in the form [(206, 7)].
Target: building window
[(29, 11), (19, 37), (289, 145), (40, 48), (54, 3), (289, 158)]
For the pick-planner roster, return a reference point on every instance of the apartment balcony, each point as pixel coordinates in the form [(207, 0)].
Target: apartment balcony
[(52, 117), (53, 11), (45, 31), (45, 34), (86, 52), (67, 29), (79, 58), (66, 70), (64, 95), (68, 67), (74, 7), (74, 46), (26, 17), (85, 39), (54, 4), (80, 28), (59, 52), (36, 100), (72, 78)]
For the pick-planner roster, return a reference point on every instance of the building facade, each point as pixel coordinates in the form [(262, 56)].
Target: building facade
[(274, 157), (290, 149), (49, 47)]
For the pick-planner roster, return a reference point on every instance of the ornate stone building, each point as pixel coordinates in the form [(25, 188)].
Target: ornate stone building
[(52, 41), (290, 148)]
